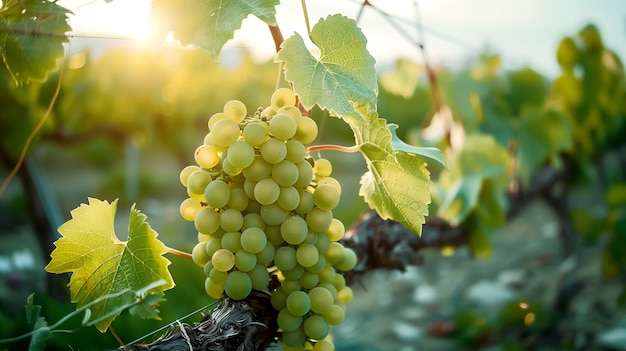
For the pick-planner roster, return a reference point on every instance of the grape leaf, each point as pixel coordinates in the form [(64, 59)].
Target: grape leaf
[(41, 331), (32, 33), (208, 24), (102, 264), (428, 152), (342, 78)]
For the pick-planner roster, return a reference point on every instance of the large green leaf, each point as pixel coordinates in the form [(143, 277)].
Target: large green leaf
[(102, 264), (208, 24), (32, 33)]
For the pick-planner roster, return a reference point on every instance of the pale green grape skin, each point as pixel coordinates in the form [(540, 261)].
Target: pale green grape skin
[(231, 220), (237, 285), (307, 255), (207, 221), (255, 133), (295, 273), (273, 151), (298, 303), (290, 286), (253, 220), (225, 132), (189, 208), (329, 181), (245, 261), (307, 130), (322, 243), (198, 180), (305, 174), (266, 191), (268, 112), (229, 168), (335, 316), (339, 282), (315, 327), (294, 339), (321, 300), (335, 254), (296, 151), (267, 254), (327, 275), (199, 255), (258, 169), (241, 154), (231, 241), (326, 197), (214, 290), (285, 258), (330, 287), (217, 193), (260, 277), (287, 321), (278, 299), (218, 277), (306, 202), (212, 245), (319, 266), (206, 156), (273, 235), (214, 118), (336, 230), (282, 126), (319, 220), (323, 345), (285, 173), (208, 267), (272, 214), (184, 174), (349, 261), (308, 280), (292, 111), (223, 260), (322, 167), (235, 110), (294, 230), (289, 198), (282, 97), (238, 200), (253, 240), (345, 294), (248, 188)]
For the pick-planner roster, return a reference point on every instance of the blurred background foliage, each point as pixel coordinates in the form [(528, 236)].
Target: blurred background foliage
[(126, 122)]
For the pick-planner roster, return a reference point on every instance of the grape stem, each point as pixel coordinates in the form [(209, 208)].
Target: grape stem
[(178, 252), (346, 149)]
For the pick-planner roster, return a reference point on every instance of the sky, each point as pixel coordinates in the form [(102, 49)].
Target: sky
[(454, 32)]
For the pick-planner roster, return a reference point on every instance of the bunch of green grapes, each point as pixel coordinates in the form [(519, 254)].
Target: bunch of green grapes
[(262, 206)]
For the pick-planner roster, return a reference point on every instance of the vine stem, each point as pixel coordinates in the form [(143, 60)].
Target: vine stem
[(346, 149), (178, 252), (306, 16)]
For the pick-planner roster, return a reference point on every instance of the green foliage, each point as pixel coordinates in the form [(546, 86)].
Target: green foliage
[(32, 33), (41, 332), (208, 24), (102, 264)]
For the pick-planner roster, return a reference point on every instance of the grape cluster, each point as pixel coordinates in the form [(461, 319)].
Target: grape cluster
[(262, 208)]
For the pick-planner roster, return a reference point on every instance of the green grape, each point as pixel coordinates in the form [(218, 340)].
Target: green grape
[(282, 97), (241, 154), (321, 300), (298, 303), (322, 167), (306, 202), (305, 174), (238, 199), (273, 151), (217, 193), (225, 132), (295, 339), (282, 126), (223, 260), (285, 173), (336, 230), (345, 294), (309, 280), (198, 180), (335, 254), (296, 151), (231, 241), (294, 230), (326, 197), (266, 191), (184, 174), (229, 168), (207, 221), (273, 214), (267, 254), (213, 119), (349, 260), (238, 285), (290, 286), (339, 282), (278, 299), (335, 315), (212, 245), (330, 287), (311, 238), (318, 220), (319, 266), (248, 188), (202, 238), (206, 156), (295, 273), (327, 275), (231, 220), (330, 181), (260, 277), (287, 321), (235, 110), (285, 258), (218, 277), (268, 112), (323, 345), (189, 208), (253, 240), (255, 133), (199, 197), (315, 327), (273, 235), (292, 111), (213, 289), (322, 243), (253, 220), (208, 267), (258, 169), (307, 255), (289, 198), (306, 131), (199, 255), (245, 261)]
